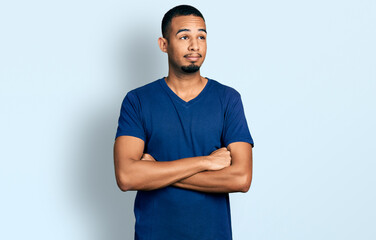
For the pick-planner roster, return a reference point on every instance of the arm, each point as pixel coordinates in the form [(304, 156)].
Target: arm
[(238, 176), (235, 178), (133, 174)]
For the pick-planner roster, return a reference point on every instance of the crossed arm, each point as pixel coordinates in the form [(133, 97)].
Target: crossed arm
[(204, 173), (235, 178)]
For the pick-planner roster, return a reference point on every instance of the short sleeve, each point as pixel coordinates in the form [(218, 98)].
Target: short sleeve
[(130, 122), (235, 124)]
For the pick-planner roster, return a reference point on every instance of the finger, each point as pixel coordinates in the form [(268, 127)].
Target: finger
[(145, 156), (145, 159), (150, 156)]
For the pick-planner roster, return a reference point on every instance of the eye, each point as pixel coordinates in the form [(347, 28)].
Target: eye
[(184, 37), (202, 37)]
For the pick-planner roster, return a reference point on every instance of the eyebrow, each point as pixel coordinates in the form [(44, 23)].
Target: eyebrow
[(188, 30)]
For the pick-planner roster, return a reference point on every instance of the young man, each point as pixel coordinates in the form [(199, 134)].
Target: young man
[(183, 142)]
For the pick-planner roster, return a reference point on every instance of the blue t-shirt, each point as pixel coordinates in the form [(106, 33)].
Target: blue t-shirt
[(173, 129)]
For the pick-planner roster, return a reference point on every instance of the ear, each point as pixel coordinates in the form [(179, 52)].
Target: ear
[(162, 42)]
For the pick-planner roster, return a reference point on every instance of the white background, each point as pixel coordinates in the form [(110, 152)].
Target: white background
[(306, 74)]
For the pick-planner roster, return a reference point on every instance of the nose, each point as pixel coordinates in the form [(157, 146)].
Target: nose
[(194, 45)]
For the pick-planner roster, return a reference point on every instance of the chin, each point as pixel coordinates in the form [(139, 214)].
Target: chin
[(190, 68)]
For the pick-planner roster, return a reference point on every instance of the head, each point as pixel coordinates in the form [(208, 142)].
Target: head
[(181, 10), (184, 38)]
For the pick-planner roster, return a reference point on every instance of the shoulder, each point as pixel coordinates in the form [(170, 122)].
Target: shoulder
[(144, 92), (225, 91), (146, 89)]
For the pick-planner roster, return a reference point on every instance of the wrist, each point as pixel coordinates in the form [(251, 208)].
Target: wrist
[(206, 162)]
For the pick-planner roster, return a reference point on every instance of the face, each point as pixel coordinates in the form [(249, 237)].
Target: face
[(186, 44)]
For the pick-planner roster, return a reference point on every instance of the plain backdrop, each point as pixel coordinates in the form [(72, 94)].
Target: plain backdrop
[(306, 74)]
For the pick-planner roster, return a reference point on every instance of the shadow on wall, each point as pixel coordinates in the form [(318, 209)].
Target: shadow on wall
[(141, 60), (108, 210)]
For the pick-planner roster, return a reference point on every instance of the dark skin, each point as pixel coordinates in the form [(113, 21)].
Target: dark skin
[(224, 170), (186, 45)]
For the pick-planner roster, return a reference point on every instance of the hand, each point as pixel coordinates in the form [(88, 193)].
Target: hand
[(147, 157), (219, 159)]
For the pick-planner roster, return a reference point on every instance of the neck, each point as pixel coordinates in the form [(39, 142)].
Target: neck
[(184, 82)]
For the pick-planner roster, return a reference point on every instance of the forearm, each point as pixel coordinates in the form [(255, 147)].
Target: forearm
[(149, 175), (229, 179), (235, 178)]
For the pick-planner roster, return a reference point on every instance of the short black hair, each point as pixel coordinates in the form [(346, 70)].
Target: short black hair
[(181, 10)]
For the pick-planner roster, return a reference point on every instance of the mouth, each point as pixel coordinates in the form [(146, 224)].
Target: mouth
[(193, 57)]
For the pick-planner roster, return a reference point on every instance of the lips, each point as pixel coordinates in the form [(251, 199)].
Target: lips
[(193, 57)]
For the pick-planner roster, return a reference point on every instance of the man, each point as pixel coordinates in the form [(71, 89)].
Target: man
[(183, 142)]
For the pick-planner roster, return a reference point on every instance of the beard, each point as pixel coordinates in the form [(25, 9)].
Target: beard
[(190, 68)]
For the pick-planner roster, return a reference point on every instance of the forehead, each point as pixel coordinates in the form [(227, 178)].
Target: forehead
[(188, 22)]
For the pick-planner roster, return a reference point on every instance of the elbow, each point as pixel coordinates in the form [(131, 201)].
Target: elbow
[(123, 188), (245, 187), (123, 182), (124, 177), (244, 183)]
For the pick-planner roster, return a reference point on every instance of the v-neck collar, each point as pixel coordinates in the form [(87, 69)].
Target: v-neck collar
[(164, 85)]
